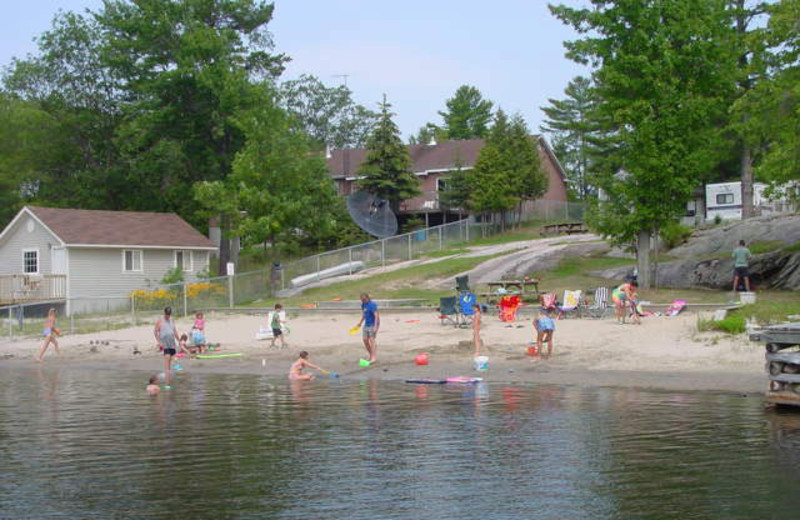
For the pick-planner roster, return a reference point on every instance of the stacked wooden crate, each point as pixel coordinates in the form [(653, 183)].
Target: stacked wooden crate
[(783, 362)]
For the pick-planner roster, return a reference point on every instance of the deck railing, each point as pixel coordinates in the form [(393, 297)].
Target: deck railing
[(28, 288)]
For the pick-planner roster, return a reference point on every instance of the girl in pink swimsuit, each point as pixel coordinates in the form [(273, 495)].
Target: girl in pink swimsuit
[(296, 370)]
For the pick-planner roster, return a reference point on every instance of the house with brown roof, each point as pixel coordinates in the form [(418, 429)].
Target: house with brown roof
[(79, 257), (433, 163)]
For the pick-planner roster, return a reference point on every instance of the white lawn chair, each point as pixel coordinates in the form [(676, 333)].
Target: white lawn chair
[(600, 305), (571, 304)]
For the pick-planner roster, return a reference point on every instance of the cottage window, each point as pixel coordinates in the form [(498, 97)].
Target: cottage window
[(30, 261), (725, 198), (132, 261), (184, 260)]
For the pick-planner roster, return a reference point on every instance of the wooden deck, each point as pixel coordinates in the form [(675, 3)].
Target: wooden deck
[(24, 288)]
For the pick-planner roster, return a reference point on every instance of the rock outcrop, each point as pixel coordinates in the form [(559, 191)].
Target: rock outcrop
[(776, 269)]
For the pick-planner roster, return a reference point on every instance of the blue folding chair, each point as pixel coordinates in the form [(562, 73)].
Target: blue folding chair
[(466, 302)]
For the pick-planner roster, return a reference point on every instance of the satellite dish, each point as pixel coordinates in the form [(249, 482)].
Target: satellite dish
[(372, 214)]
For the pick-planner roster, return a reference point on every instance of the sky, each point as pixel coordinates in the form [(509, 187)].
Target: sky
[(416, 52)]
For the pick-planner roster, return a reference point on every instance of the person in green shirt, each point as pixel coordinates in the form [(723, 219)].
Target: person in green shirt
[(741, 261), (276, 320)]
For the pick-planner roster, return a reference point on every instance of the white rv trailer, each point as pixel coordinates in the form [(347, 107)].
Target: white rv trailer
[(725, 200)]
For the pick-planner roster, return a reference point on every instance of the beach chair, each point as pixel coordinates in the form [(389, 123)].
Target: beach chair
[(462, 284), (509, 305), (571, 304), (466, 301), (448, 312), (600, 305), (548, 302)]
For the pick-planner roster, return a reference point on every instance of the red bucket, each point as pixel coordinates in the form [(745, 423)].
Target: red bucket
[(533, 351), (421, 359)]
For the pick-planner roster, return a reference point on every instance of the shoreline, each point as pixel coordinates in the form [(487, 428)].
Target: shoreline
[(663, 353)]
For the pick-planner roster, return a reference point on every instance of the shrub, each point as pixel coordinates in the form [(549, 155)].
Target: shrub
[(675, 234), (730, 325), (174, 275)]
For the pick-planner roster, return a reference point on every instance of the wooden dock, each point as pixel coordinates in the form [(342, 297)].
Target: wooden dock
[(783, 365)]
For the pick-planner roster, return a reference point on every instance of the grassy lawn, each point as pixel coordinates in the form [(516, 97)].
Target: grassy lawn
[(400, 284), (531, 230)]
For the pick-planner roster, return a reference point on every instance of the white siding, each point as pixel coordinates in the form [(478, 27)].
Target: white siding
[(97, 272), (26, 233)]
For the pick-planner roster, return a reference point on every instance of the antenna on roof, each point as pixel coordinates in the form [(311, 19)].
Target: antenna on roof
[(343, 77), (372, 214)]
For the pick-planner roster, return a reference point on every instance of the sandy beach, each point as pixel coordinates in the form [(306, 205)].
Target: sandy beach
[(662, 353)]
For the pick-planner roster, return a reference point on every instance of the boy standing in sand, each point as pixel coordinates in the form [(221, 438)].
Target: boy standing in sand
[(167, 338), (276, 320), (371, 320), (49, 334), (476, 329)]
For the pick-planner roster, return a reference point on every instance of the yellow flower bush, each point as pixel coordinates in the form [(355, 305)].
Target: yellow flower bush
[(204, 289)]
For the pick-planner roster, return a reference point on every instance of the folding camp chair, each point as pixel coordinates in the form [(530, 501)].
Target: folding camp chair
[(571, 304), (466, 302), (509, 305), (599, 306), (448, 312), (548, 302), (462, 284)]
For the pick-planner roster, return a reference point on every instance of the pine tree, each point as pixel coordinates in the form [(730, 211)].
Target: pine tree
[(467, 115), (574, 128), (387, 168)]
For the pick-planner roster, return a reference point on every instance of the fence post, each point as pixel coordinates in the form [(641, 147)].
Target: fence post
[(383, 252), (283, 280), (350, 260), (10, 323), (466, 228), (440, 238), (133, 308), (566, 211), (410, 253), (230, 291), (185, 300), (318, 267)]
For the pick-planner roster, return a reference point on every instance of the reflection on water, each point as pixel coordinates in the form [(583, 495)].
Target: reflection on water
[(80, 444)]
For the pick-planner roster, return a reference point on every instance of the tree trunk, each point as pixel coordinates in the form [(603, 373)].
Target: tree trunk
[(224, 244), (655, 258), (747, 182), (643, 258)]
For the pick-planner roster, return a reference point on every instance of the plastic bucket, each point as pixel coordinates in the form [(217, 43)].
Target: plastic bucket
[(363, 363), (747, 298), (481, 363), (532, 351), (421, 359)]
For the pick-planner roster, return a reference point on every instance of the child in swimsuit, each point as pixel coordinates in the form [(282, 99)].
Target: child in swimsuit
[(198, 332), (545, 328), (476, 329), (152, 386), (50, 332), (296, 370), (621, 296)]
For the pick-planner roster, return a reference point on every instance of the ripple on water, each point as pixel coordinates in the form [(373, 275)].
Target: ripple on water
[(90, 444)]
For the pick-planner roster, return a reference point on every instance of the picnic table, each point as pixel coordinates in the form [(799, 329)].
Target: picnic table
[(565, 227), (521, 287)]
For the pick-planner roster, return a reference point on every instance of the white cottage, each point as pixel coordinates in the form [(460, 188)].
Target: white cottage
[(78, 256)]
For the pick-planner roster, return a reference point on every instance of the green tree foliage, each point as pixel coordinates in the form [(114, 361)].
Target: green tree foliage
[(655, 83), (67, 110), (386, 170), (327, 114), (279, 190), (428, 134), (769, 113), (577, 135), (508, 170), (188, 67), (456, 191), (467, 114)]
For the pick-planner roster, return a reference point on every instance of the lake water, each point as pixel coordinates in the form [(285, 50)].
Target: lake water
[(91, 444)]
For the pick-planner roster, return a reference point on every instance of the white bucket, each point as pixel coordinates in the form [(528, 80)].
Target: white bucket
[(481, 363), (747, 298)]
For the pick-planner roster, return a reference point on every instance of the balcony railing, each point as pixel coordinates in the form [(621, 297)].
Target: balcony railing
[(29, 288)]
